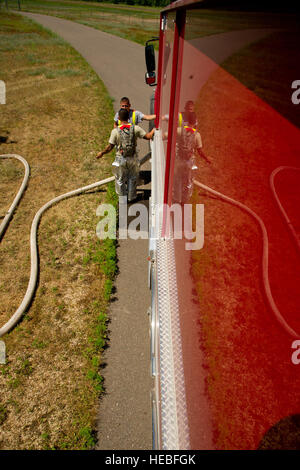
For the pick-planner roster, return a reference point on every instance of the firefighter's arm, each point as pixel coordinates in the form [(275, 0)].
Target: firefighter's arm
[(149, 135), (199, 147), (106, 150), (202, 154), (149, 117)]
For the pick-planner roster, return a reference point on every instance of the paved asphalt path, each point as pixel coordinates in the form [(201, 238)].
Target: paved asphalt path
[(125, 410)]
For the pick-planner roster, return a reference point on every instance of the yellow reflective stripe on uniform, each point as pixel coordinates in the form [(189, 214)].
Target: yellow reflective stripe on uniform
[(189, 128), (133, 118), (180, 119)]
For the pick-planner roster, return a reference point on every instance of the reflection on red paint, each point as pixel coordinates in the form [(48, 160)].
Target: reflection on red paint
[(240, 379)]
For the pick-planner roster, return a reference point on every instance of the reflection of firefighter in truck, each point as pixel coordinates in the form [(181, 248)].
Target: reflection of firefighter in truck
[(188, 148)]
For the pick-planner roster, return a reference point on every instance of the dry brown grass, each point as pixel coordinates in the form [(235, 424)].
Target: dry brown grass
[(57, 116)]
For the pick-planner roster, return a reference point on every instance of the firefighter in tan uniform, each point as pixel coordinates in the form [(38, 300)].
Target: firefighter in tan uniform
[(188, 148), (126, 164)]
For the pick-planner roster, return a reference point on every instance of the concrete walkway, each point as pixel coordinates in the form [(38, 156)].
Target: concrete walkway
[(125, 410)]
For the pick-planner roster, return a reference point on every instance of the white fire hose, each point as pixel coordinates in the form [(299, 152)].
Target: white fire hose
[(265, 254), (33, 238), (34, 249), (19, 194)]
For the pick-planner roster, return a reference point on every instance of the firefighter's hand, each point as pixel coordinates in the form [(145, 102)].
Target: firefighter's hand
[(100, 155), (202, 155)]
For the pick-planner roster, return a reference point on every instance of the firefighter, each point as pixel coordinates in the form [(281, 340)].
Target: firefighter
[(188, 148), (135, 117), (126, 164)]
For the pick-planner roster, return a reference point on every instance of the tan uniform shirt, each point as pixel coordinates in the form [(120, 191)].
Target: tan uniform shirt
[(197, 136), (115, 140)]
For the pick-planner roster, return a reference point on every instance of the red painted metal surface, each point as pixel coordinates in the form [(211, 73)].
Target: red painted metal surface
[(159, 74), (172, 118), (182, 4), (174, 102), (239, 374)]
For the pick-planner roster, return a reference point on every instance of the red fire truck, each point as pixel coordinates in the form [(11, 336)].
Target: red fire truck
[(224, 227)]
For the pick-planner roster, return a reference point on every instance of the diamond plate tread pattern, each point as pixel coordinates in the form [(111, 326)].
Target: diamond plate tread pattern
[(174, 423)]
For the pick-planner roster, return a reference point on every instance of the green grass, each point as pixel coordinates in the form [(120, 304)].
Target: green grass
[(11, 42), (140, 23), (90, 7), (129, 22), (53, 73)]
